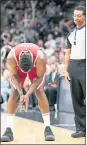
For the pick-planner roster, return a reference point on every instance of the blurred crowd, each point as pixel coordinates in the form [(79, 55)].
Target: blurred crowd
[(43, 22)]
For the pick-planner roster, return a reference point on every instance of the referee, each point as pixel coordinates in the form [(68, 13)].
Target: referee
[(75, 65)]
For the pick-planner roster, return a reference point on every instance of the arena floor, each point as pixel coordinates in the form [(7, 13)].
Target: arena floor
[(32, 132)]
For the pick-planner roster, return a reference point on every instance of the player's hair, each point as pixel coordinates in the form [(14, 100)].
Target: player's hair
[(81, 8), (26, 62)]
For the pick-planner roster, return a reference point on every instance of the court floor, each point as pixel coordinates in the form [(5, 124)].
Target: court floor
[(32, 132)]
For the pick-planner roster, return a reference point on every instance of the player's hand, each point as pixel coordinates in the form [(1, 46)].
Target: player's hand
[(24, 102), (22, 99), (67, 77)]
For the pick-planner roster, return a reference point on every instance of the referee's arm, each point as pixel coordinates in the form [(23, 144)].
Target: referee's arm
[(67, 55), (66, 61)]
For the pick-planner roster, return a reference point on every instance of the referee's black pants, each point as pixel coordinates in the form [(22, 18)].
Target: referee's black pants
[(77, 72)]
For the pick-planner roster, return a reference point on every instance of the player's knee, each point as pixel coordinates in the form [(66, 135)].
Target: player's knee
[(39, 90), (14, 94)]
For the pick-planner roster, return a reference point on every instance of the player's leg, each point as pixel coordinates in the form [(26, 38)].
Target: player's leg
[(12, 101), (11, 110), (44, 108)]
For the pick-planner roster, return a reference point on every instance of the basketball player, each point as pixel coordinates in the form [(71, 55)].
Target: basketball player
[(27, 60)]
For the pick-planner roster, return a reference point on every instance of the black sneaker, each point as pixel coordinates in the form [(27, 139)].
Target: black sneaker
[(78, 134), (48, 134), (7, 136)]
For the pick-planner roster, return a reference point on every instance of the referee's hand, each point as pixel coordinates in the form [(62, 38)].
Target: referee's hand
[(67, 78)]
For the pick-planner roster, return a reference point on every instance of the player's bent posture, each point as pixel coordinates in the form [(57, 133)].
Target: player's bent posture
[(27, 60)]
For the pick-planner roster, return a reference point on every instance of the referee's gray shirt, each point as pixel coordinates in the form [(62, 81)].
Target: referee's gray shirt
[(76, 42)]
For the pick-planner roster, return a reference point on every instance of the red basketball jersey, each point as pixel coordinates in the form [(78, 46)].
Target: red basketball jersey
[(26, 47)]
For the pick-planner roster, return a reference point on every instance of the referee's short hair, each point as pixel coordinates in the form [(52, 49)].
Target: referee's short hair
[(81, 8), (25, 62)]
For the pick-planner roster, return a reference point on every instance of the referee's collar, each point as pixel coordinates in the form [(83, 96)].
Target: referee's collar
[(80, 28)]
